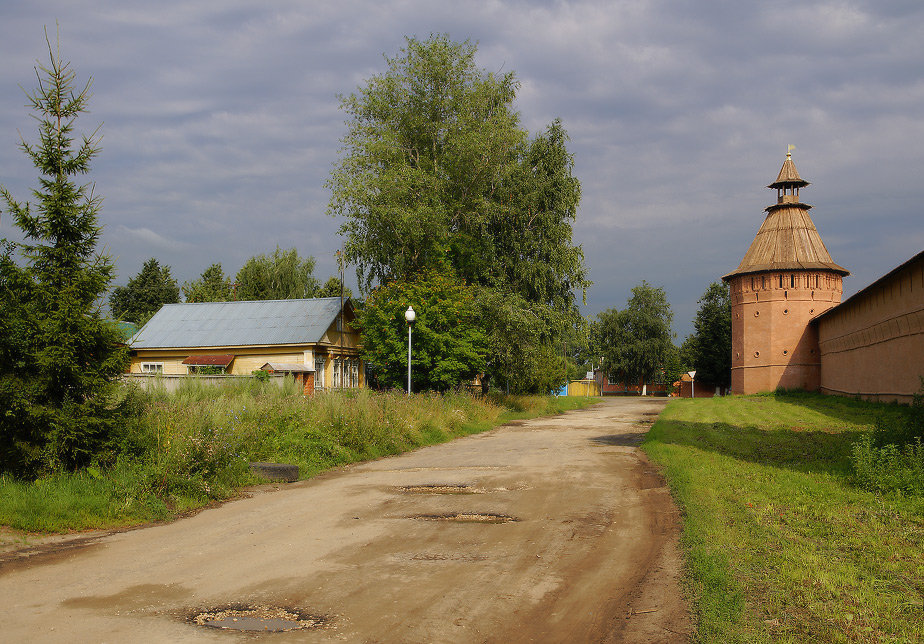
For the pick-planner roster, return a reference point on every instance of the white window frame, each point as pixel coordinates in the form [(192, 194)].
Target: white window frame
[(152, 367), (338, 363), (319, 363)]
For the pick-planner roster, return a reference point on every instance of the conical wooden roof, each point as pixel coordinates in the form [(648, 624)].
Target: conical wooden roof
[(789, 176), (788, 239)]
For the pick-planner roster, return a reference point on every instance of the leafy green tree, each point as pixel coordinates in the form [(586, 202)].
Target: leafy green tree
[(144, 294), (333, 287), (579, 350), (448, 345), (426, 142), (636, 342), (59, 356), (711, 345), (284, 275), (212, 286), (437, 171), (528, 248), (673, 367), (523, 355)]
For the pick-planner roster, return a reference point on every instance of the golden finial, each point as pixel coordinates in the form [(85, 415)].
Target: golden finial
[(789, 149)]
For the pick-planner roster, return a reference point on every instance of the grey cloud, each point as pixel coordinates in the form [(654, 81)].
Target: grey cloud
[(221, 121)]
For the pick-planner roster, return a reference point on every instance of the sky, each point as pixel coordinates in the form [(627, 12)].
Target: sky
[(221, 123)]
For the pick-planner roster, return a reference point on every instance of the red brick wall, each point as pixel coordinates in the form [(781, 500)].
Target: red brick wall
[(872, 345), (621, 388), (686, 389), (773, 344)]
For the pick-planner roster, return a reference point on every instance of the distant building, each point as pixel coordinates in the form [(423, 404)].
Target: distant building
[(789, 328), (619, 386)]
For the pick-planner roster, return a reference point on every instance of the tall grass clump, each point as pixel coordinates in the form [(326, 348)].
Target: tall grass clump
[(185, 449), (80, 500), (891, 457), (890, 468)]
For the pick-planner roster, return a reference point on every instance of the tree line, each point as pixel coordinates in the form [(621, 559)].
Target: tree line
[(635, 345), (282, 275)]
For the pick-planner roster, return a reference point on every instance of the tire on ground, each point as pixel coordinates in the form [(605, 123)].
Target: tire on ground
[(275, 471)]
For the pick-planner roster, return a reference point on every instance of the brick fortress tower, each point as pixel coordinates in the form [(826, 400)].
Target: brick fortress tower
[(786, 278)]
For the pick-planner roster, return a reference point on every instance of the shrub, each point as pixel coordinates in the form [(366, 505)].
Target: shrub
[(890, 467), (891, 457)]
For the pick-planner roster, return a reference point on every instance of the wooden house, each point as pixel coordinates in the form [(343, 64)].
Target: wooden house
[(310, 337)]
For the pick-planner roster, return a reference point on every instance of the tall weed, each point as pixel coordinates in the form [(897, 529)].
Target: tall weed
[(186, 448), (888, 468), (891, 457)]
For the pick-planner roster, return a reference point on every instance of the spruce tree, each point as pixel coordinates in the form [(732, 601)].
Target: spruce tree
[(145, 294), (60, 357)]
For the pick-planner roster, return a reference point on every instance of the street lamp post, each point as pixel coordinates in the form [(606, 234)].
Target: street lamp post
[(410, 316)]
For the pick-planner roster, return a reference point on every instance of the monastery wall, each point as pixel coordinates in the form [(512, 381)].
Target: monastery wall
[(872, 345)]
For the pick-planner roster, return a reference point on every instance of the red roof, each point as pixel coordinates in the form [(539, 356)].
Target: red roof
[(213, 360)]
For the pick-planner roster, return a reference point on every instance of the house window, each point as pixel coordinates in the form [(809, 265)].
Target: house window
[(337, 364), (152, 367), (319, 372), (354, 373), (206, 369)]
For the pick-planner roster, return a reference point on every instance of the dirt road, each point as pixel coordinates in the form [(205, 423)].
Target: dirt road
[(550, 530)]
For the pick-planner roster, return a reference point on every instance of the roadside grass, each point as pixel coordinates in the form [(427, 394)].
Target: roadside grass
[(781, 545), (191, 448)]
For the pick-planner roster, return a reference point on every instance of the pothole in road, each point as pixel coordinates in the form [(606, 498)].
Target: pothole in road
[(260, 619), (467, 517), (438, 488), (439, 556)]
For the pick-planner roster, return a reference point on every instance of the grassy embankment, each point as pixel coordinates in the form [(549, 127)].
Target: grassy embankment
[(191, 448), (782, 544)]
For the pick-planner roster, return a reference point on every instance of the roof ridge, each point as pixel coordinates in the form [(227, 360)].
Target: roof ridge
[(293, 299)]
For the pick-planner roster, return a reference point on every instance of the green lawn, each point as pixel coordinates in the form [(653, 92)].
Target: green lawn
[(780, 545)]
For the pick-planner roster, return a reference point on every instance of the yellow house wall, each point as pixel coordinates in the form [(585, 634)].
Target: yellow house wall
[(584, 388), (336, 343), (246, 359)]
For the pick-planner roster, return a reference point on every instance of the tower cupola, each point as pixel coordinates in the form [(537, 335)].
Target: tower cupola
[(788, 182)]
